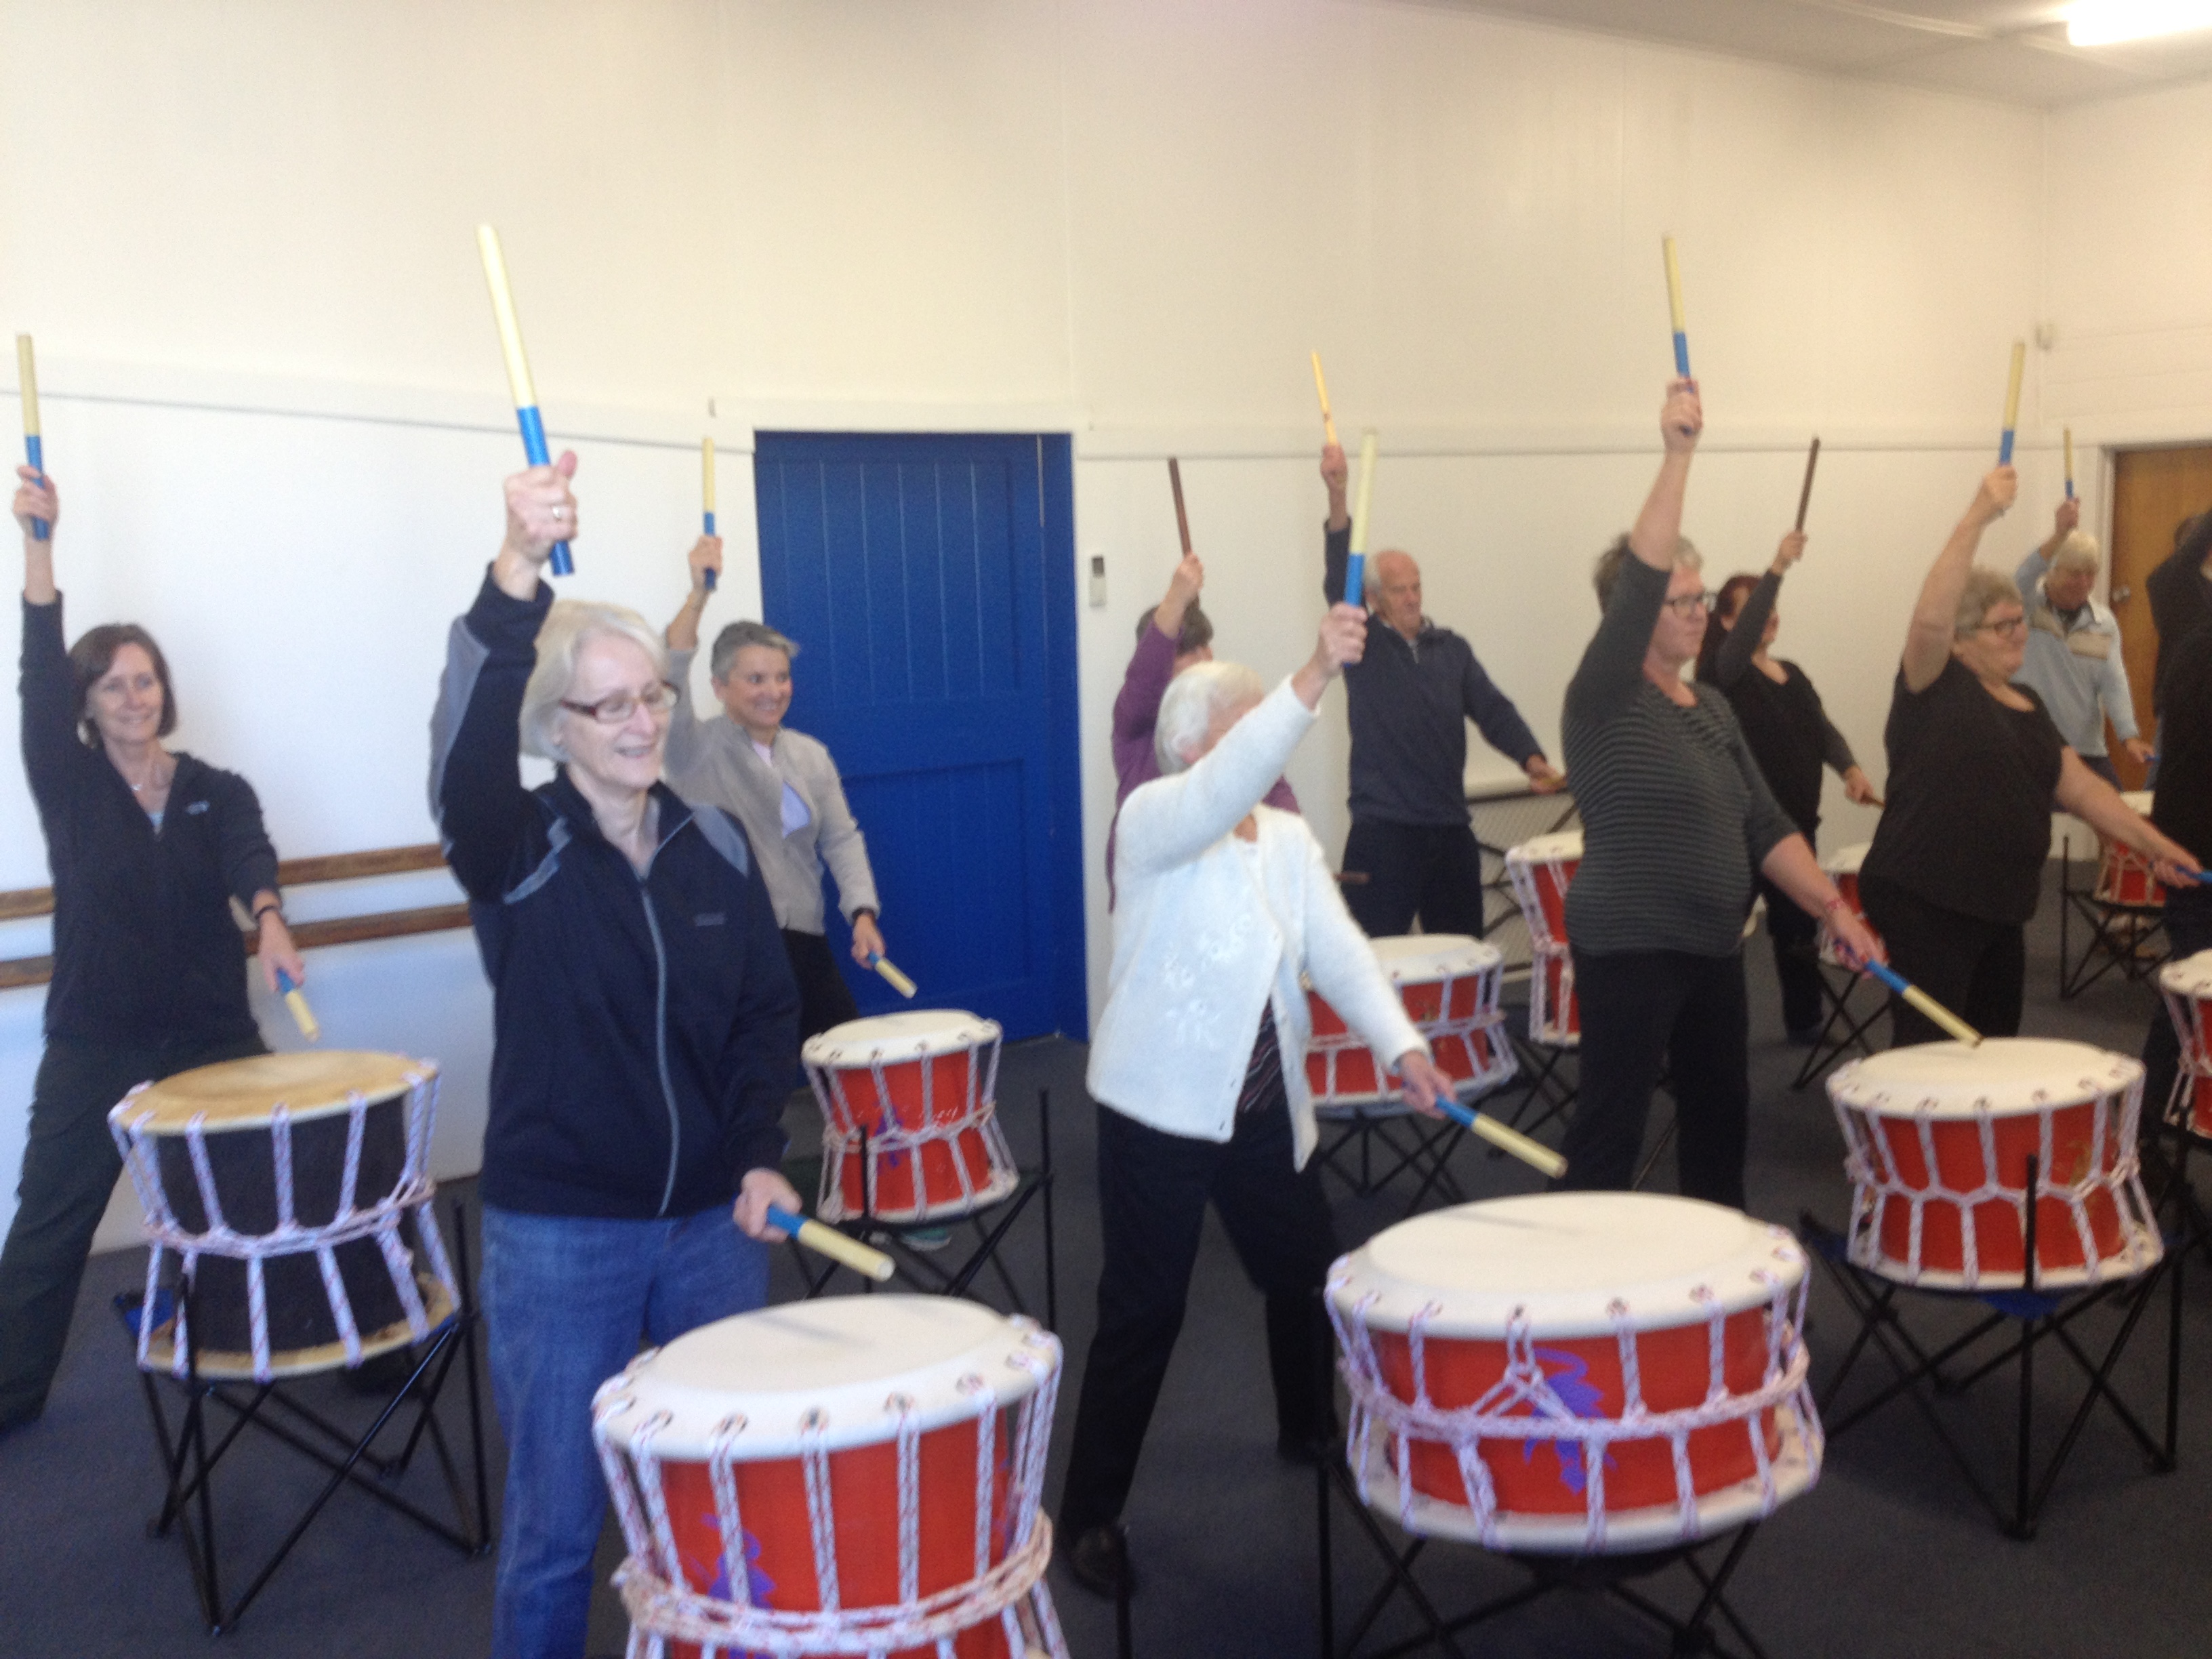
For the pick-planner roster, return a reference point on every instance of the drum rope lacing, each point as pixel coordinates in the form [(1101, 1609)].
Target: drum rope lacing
[(1491, 1062), (664, 1608), (1551, 1014), (1873, 1161), (380, 1220), (842, 1133), (1523, 1406), (2182, 1108)]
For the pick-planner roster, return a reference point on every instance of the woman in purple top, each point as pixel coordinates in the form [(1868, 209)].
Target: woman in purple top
[(1172, 636)]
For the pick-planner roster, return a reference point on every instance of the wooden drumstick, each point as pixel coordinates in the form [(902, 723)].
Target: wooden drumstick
[(1926, 1005), (707, 494), (1327, 420), (34, 446), (517, 368), (1355, 567), (296, 1000), (1674, 307), (2068, 432), (1533, 1153), (1182, 519), (899, 981), (827, 1241), (1805, 495), (2012, 402)]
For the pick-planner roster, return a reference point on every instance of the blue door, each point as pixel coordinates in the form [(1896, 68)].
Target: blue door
[(930, 584)]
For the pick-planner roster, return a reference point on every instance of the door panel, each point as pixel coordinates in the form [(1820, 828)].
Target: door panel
[(2153, 491)]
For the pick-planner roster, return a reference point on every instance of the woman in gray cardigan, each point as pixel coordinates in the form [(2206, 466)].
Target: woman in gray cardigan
[(781, 785)]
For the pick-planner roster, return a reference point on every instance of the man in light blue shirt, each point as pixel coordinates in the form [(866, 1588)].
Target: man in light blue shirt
[(2073, 661)]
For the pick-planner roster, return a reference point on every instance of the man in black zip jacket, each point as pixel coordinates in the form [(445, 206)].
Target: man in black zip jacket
[(645, 1031)]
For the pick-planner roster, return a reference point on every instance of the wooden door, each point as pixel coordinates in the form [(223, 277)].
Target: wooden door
[(2153, 491)]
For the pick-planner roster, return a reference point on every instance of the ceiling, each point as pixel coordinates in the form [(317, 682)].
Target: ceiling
[(2012, 49)]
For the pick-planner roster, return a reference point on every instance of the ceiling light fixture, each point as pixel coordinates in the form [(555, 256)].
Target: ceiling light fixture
[(2106, 22)]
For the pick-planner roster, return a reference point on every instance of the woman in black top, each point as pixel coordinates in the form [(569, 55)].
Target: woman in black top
[(1676, 822), (147, 848), (1975, 768), (1791, 737)]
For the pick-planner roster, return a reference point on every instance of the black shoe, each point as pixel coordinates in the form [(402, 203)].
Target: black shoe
[(1099, 1561)]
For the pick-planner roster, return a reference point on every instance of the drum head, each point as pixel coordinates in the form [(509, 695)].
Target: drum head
[(2005, 1074), (2189, 978), (1421, 959), (1846, 861), (1562, 847), (1564, 1258), (828, 1373), (900, 1037), (238, 1094)]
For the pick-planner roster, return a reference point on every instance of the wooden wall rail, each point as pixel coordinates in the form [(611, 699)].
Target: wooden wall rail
[(292, 872)]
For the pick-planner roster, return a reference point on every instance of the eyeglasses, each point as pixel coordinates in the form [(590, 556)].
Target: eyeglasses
[(2016, 629), (1683, 603), (613, 711)]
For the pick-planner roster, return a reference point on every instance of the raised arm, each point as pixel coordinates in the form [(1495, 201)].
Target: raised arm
[(1658, 528), (1741, 643), (47, 683), (2037, 565), (1336, 537), (1152, 665), (37, 499), (1935, 614), (706, 555)]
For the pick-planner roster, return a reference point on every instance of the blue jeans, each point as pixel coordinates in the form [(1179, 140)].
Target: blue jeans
[(565, 1299)]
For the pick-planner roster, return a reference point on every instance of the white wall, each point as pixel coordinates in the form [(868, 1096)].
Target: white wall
[(241, 232)]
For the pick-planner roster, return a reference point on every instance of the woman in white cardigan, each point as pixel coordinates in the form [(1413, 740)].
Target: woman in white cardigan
[(1197, 1069)]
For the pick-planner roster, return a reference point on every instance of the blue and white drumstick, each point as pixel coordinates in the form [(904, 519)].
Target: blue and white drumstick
[(1926, 1003), (899, 982), (1674, 307), (707, 494), (1533, 1153), (296, 1000), (34, 448), (2012, 403), (517, 369), (1355, 567), (2068, 432), (827, 1241)]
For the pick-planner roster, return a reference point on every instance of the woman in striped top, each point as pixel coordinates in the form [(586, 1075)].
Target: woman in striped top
[(1678, 823)]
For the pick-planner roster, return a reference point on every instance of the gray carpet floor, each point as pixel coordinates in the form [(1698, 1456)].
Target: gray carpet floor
[(1891, 1554)]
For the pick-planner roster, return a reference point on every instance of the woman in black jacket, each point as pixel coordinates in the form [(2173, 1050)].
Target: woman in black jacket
[(645, 1031), (1791, 737), (147, 846)]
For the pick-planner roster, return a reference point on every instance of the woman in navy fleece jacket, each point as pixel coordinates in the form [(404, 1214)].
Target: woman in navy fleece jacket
[(646, 1027)]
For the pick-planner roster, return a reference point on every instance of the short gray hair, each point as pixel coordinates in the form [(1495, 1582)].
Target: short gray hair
[(1610, 563), (1193, 699), (735, 637), (568, 626), (1984, 588), (2079, 552)]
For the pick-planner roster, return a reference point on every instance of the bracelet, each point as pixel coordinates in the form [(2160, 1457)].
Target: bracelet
[(274, 907)]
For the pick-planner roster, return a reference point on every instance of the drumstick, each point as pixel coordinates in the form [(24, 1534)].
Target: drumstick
[(1182, 519), (517, 368), (707, 494), (2068, 432), (900, 982), (296, 1000), (1674, 307), (1355, 568), (1533, 1153), (34, 448), (1926, 1003), (1327, 420), (2012, 402), (827, 1241), (1805, 495)]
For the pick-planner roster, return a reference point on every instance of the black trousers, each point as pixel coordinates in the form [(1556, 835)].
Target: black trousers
[(2188, 930), (824, 998), (1638, 1008), (1431, 870), (69, 1167), (1976, 968), (1796, 939), (1154, 1188)]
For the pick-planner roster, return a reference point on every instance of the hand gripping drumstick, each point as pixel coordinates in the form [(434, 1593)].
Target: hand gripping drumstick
[(2012, 402), (2069, 463), (1355, 568), (296, 1000), (900, 982), (1533, 1153), (517, 368), (1674, 307), (1327, 420), (827, 1241), (707, 494), (1805, 496), (1182, 519), (34, 448), (1926, 1003)]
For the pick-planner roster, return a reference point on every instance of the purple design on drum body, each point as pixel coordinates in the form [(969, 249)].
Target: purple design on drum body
[(759, 1587), (1568, 1375)]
